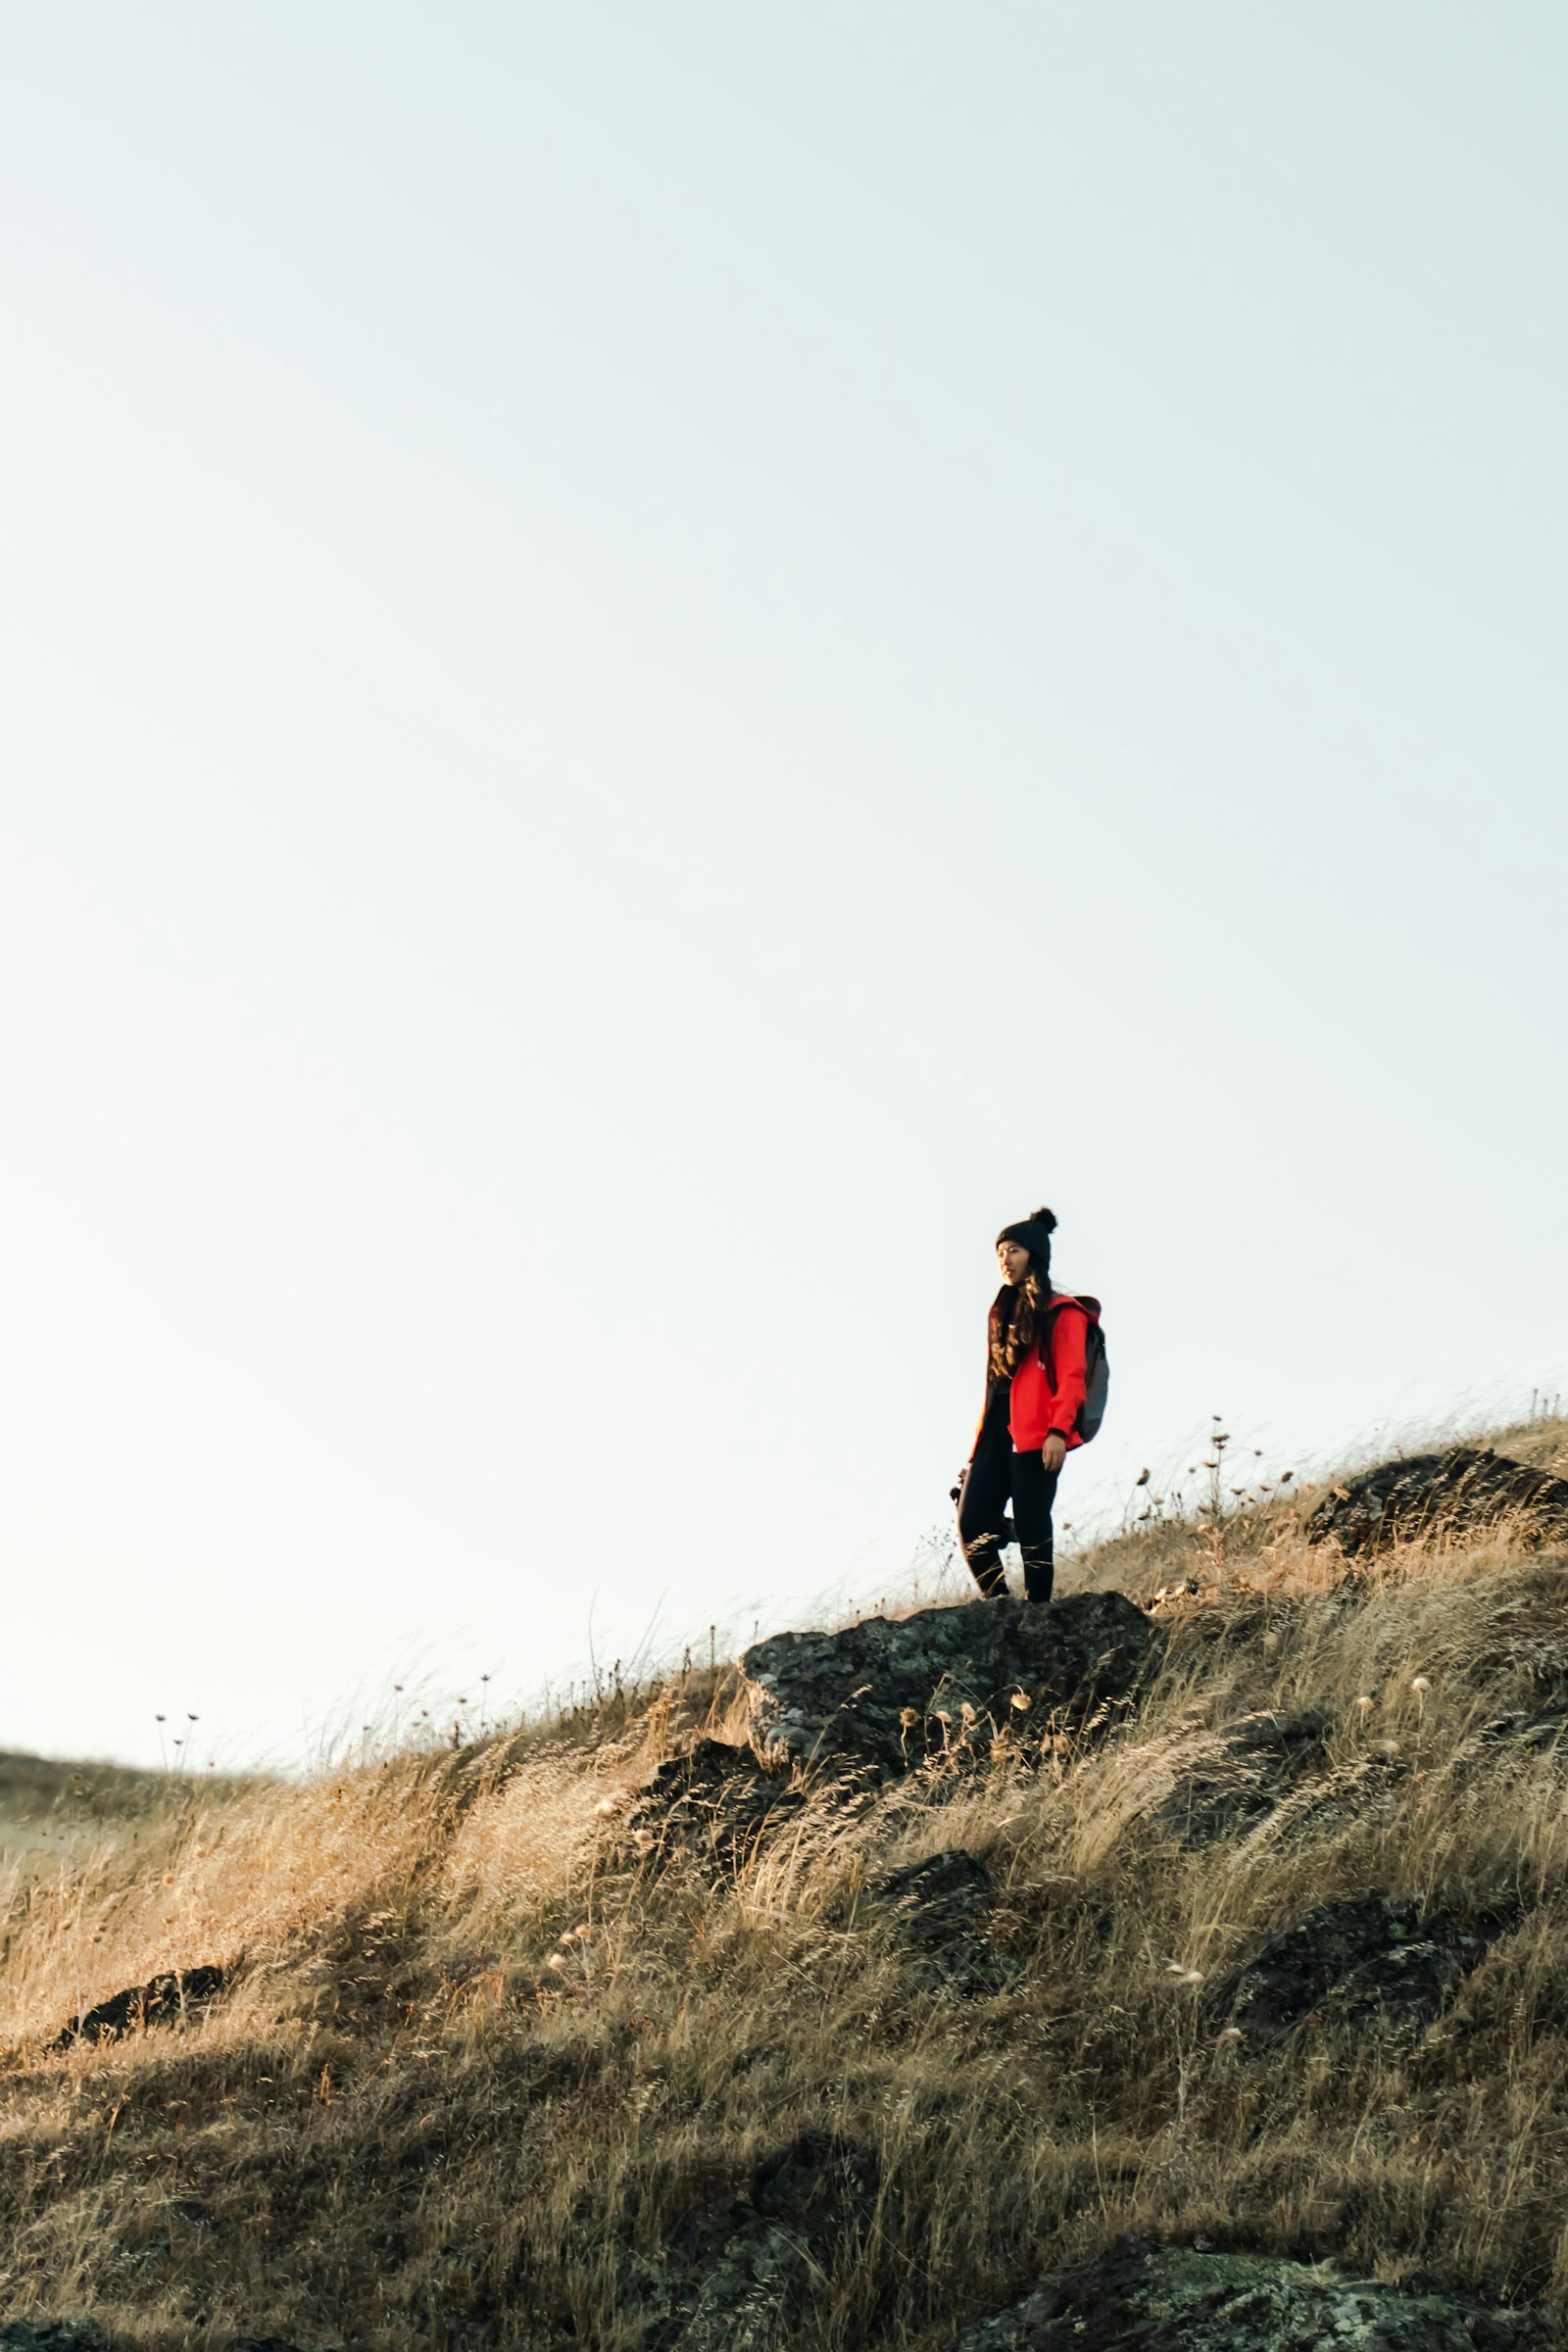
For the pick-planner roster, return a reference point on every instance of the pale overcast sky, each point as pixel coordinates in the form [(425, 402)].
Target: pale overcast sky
[(662, 662)]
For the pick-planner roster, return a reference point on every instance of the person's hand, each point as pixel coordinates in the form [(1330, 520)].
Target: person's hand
[(1054, 1453)]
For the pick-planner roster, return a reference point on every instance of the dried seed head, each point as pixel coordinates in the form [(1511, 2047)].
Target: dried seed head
[(1022, 1702), (908, 1717)]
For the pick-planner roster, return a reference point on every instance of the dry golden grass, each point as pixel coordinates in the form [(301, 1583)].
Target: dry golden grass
[(50, 1810), (481, 2059)]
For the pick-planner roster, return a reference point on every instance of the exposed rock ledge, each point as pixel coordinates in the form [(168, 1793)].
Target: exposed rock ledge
[(892, 1691), (1143, 2298), (1463, 1491)]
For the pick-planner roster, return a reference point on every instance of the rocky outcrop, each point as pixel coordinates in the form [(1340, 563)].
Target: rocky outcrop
[(1270, 1779), (1511, 1745), (715, 1802), (934, 1912), (54, 2335), (890, 1693), (1321, 1807), (746, 2274), (1143, 2298), (1463, 1491), (1238, 1774), (162, 2000), (85, 2335), (1378, 1963), (846, 1711)]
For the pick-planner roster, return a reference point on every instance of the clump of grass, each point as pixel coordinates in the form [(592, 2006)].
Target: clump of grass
[(482, 2057)]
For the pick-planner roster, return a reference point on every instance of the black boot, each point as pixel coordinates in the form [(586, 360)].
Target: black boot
[(1038, 1575), (984, 1560)]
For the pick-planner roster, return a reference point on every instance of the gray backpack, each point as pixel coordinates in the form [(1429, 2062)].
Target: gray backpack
[(1097, 1369)]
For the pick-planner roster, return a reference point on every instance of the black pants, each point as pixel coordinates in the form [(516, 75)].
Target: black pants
[(995, 1473)]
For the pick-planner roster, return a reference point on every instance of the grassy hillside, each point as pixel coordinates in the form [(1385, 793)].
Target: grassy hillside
[(52, 1812), (487, 2051)]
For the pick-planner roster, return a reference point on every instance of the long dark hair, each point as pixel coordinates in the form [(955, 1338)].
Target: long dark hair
[(1018, 1319)]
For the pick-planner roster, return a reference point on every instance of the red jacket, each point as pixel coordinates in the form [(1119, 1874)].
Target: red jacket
[(1048, 1388)]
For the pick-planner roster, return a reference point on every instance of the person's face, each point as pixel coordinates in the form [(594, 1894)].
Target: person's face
[(1013, 1259)]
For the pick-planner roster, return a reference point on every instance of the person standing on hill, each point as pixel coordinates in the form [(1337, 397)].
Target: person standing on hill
[(1037, 1354)]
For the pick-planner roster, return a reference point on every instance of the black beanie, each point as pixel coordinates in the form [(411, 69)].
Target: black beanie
[(1034, 1232)]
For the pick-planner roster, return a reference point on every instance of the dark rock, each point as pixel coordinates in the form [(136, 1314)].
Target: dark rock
[(934, 1910), (887, 1693), (1462, 1491), (1541, 1735), (1142, 2298), (1518, 1738), (1375, 1962), (747, 2273), (714, 1801), (1267, 1779), (156, 2003), (1319, 1809), (929, 1902), (1238, 1774), (55, 2335)]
